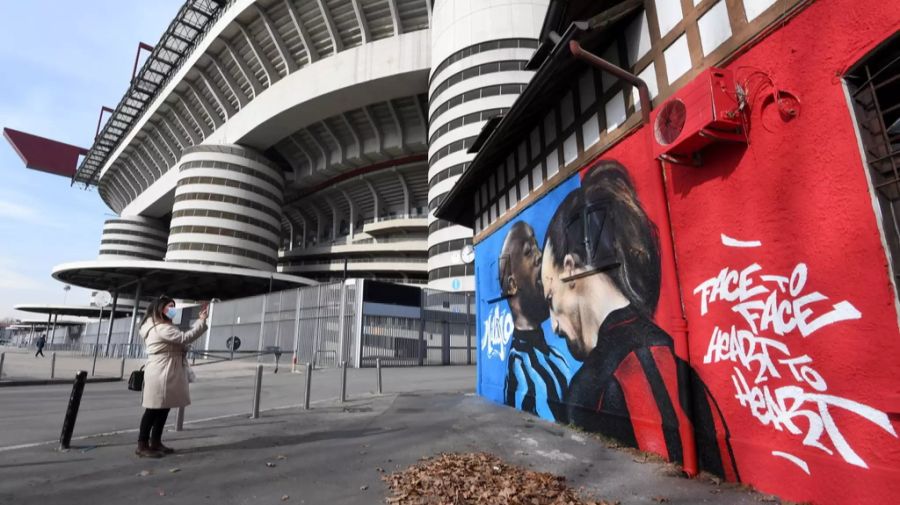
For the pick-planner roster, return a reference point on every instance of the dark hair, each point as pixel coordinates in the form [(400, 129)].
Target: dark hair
[(627, 235), (154, 310)]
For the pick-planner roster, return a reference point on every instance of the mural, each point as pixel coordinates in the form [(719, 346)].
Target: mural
[(774, 350), (568, 331)]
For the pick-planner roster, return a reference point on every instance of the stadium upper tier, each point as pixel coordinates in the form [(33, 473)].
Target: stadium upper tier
[(324, 143)]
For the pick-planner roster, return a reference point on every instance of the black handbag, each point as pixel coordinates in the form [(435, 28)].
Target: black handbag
[(136, 380)]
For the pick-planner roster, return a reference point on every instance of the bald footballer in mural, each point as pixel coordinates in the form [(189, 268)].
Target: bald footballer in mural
[(536, 377), (601, 279)]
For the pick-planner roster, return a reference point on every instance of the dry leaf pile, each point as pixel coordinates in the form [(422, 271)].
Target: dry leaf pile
[(478, 478)]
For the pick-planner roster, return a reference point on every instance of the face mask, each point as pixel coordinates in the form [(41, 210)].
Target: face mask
[(171, 312)]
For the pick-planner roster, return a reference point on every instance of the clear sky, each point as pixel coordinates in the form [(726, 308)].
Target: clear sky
[(60, 60)]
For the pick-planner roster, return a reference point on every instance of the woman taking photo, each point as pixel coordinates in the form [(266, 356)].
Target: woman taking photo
[(166, 372)]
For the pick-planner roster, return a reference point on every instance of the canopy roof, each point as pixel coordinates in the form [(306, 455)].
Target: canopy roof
[(71, 310), (186, 281), (28, 323)]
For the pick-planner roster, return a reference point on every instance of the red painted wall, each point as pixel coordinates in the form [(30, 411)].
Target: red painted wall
[(799, 190)]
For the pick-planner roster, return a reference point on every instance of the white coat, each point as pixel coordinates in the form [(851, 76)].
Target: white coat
[(165, 374)]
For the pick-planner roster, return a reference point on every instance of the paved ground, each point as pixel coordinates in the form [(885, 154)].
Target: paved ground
[(331, 454), (334, 454), (31, 414)]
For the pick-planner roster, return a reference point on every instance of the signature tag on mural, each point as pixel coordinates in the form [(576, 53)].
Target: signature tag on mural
[(498, 330)]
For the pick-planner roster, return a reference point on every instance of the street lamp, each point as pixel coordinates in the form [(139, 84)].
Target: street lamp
[(66, 288)]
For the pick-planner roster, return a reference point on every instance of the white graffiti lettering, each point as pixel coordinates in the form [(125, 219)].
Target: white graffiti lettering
[(778, 306), (785, 309), (498, 330)]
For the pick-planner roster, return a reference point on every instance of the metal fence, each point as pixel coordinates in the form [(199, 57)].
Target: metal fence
[(325, 325), (316, 324)]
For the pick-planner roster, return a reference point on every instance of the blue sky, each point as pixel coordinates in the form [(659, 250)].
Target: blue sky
[(59, 62)]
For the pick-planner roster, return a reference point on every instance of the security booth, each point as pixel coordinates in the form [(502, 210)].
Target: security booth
[(662, 228)]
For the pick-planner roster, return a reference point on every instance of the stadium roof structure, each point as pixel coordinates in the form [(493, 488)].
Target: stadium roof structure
[(166, 57), (186, 281)]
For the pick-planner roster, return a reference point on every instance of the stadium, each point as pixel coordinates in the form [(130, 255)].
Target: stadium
[(309, 137)]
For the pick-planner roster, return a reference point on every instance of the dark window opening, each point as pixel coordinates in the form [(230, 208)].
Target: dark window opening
[(874, 85)]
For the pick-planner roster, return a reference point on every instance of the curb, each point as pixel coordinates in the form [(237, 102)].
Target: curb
[(54, 382)]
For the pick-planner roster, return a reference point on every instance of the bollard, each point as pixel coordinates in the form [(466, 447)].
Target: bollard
[(257, 387), (378, 369), (308, 386), (52, 365), (343, 381), (122, 369), (2, 359), (65, 438), (179, 419)]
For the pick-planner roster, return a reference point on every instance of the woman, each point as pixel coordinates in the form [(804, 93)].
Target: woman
[(165, 375)]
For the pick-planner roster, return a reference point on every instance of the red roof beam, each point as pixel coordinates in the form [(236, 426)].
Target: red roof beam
[(46, 155)]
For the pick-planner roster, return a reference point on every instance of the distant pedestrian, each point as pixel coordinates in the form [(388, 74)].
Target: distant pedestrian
[(166, 372), (41, 342)]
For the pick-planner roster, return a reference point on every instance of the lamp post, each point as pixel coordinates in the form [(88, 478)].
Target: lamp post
[(66, 288)]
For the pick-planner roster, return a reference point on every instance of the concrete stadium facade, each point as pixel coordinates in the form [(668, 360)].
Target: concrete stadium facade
[(311, 137)]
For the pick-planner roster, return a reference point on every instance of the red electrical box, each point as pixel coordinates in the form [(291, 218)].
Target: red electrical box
[(703, 112)]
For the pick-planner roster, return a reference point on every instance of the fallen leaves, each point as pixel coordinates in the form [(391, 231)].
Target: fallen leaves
[(478, 478)]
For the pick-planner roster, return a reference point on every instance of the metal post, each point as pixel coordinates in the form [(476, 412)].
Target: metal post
[(343, 381), (262, 326), (122, 368), (296, 345), (134, 316), (342, 313), (112, 318), (422, 313), (469, 328), (308, 386), (257, 387), (378, 369), (316, 336), (179, 419), (2, 359), (278, 321), (53, 331), (52, 365), (97, 342), (65, 437)]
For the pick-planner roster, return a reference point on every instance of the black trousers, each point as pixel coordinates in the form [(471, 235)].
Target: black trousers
[(152, 424), (39, 351)]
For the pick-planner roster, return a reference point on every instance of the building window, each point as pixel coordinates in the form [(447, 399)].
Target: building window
[(874, 85)]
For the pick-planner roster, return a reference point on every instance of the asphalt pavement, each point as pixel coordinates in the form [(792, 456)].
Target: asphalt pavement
[(34, 414), (334, 453)]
